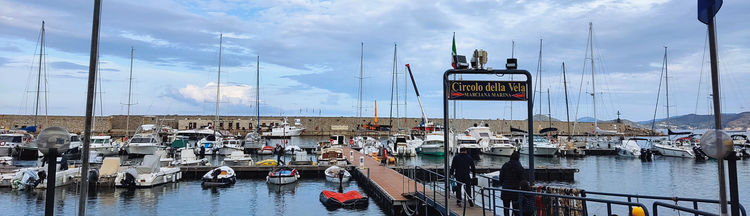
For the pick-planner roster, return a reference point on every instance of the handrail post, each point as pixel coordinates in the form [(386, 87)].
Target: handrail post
[(585, 208)]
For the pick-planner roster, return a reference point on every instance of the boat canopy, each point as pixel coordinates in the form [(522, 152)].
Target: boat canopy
[(547, 130), (512, 129), (604, 132), (670, 132)]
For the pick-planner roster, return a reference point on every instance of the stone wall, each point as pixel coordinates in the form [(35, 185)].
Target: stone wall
[(115, 125)]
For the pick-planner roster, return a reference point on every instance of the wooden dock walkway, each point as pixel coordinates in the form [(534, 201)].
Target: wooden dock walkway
[(396, 190)]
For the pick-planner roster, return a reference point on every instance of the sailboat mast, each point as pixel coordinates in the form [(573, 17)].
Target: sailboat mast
[(257, 95), (393, 80), (512, 55), (539, 74), (549, 109), (39, 77), (130, 88), (666, 82), (567, 111), (361, 68), (218, 87), (593, 80)]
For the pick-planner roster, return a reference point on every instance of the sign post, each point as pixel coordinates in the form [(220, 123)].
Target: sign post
[(486, 90)]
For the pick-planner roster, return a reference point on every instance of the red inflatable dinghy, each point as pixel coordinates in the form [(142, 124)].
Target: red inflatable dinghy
[(351, 199)]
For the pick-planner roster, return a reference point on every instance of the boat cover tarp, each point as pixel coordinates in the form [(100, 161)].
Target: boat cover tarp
[(179, 143), (342, 197), (150, 164), (670, 132), (110, 166), (604, 132), (547, 130), (283, 172), (30, 129)]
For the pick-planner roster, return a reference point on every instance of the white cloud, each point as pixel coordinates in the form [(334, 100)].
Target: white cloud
[(144, 38), (233, 94)]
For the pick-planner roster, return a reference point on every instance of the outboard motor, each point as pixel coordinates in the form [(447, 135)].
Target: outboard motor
[(129, 180), (93, 179), (699, 154), (646, 155), (215, 174)]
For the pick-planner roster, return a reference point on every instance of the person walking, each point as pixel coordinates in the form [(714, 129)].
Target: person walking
[(461, 165), (511, 175), (279, 151)]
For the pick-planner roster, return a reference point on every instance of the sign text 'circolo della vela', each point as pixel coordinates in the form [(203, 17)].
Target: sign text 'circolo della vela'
[(487, 90)]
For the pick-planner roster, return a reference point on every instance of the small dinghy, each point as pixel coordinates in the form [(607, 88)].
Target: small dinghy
[(282, 175), (267, 162), (337, 174), (239, 158), (222, 176), (351, 200)]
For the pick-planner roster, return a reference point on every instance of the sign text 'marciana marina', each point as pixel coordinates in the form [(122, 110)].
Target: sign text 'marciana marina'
[(487, 90)]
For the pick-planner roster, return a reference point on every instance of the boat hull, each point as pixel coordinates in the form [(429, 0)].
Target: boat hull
[(671, 151), (165, 175), (106, 151), (540, 151), (6, 150), (135, 149), (500, 150), (281, 180), (433, 150)]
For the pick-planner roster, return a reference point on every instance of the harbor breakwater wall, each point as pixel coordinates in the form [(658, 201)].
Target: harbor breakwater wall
[(115, 125)]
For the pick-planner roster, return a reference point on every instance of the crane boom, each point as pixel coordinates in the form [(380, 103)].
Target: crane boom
[(424, 116)]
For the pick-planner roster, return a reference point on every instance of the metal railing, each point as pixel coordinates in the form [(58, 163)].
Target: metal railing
[(488, 197), (679, 208), (695, 201)]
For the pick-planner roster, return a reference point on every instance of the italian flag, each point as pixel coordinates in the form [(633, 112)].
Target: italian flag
[(453, 54)]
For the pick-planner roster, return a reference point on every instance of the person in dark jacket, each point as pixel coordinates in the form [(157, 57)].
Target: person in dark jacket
[(461, 165), (526, 201), (279, 152), (511, 175)]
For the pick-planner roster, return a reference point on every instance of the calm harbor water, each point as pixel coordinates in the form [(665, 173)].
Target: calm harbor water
[(664, 176)]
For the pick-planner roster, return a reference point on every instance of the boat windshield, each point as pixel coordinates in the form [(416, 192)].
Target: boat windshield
[(498, 141), (143, 140), (10, 139), (400, 139), (467, 142), (192, 136), (540, 139), (434, 142), (484, 134), (98, 141), (75, 138)]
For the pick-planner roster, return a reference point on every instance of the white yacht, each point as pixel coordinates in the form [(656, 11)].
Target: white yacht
[(403, 145), (367, 144), (434, 144), (481, 132), (9, 141), (211, 143), (188, 158), (230, 145), (629, 148), (468, 142), (285, 130), (103, 145), (148, 174), (671, 149), (542, 147), (499, 145), (144, 142)]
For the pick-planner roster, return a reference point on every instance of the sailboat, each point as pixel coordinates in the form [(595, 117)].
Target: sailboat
[(597, 145), (666, 147), (212, 143), (27, 149), (567, 147), (542, 145), (252, 139)]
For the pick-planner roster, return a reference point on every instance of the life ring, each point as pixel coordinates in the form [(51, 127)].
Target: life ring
[(351, 141)]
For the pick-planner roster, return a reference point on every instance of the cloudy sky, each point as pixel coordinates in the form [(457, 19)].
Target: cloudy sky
[(310, 54)]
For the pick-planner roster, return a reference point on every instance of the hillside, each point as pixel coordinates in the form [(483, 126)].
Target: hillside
[(693, 121)]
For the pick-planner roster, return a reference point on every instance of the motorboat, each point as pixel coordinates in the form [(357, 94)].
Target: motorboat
[(542, 147), (148, 174), (359, 142), (144, 142), (630, 148), (239, 158), (210, 144), (337, 174), (64, 174), (468, 142), (26, 149), (499, 145), (404, 146), (332, 156), (266, 150), (434, 144), (282, 176), (188, 158), (352, 199), (285, 130), (102, 145), (24, 179), (74, 151), (291, 149), (230, 145), (222, 176), (300, 158), (669, 149), (252, 140), (108, 171), (482, 133), (194, 136), (9, 141), (338, 141)]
